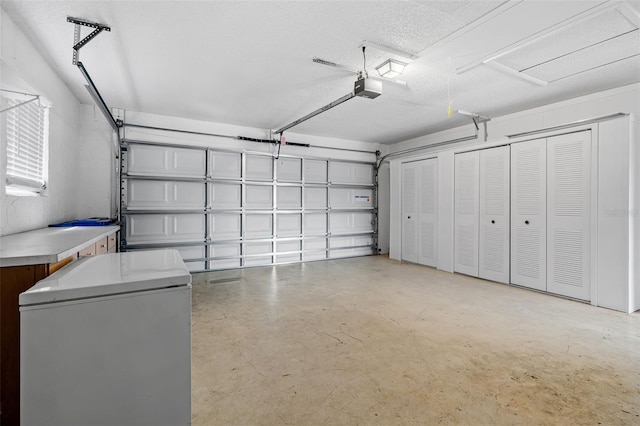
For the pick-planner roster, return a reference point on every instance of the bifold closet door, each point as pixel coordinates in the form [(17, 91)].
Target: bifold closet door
[(467, 188), (568, 214), (529, 214), (494, 226), (409, 212), (427, 218)]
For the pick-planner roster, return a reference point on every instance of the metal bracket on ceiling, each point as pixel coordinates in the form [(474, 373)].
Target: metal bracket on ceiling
[(98, 28), (91, 87), (477, 118)]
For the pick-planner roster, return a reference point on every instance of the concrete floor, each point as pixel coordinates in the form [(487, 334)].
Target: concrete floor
[(373, 341)]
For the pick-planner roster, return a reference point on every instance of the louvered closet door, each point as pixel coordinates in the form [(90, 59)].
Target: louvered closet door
[(568, 214), (494, 214), (409, 212), (427, 201), (467, 187), (529, 214)]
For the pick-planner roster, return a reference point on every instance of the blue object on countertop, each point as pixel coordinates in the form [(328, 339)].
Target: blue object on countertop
[(93, 221)]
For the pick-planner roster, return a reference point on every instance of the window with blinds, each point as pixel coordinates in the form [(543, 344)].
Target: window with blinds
[(26, 132)]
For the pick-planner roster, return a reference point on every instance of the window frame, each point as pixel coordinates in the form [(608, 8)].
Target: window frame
[(26, 184)]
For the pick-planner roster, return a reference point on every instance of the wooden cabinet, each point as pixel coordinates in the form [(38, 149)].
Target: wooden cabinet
[(90, 250), (25, 259), (13, 281), (112, 243)]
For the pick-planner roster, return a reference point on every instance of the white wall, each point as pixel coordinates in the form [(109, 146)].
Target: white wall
[(21, 61), (96, 151), (147, 119), (634, 213), (613, 223), (624, 99)]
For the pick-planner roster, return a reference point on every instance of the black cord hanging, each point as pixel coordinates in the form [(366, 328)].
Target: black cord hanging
[(279, 146), (364, 60)]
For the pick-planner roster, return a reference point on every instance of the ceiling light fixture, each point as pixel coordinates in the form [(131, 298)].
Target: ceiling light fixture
[(390, 68)]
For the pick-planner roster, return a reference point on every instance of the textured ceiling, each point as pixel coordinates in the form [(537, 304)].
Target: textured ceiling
[(250, 63)]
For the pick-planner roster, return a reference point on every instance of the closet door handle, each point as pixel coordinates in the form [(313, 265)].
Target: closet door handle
[(493, 221), (408, 217), (526, 222)]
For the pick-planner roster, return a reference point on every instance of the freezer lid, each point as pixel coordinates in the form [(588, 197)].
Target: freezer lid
[(110, 274)]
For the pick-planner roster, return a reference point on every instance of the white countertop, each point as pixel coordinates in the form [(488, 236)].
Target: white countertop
[(49, 245), (110, 274)]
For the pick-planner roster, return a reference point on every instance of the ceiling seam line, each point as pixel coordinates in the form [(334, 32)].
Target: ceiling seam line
[(560, 26), (594, 68), (578, 50)]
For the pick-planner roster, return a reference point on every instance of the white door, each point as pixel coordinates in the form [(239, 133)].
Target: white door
[(409, 212), (568, 214), (528, 214), (427, 201), (493, 253), (466, 213)]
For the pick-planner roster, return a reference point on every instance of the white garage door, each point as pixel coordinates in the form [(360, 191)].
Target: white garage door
[(224, 209)]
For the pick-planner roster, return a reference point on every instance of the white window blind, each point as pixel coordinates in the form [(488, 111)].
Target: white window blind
[(26, 138)]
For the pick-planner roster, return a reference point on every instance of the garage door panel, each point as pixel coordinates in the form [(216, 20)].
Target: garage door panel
[(259, 167), (340, 242), (225, 165), (242, 208), (315, 223), (189, 162), (259, 197), (288, 225), (287, 246), (225, 196), (259, 226), (165, 161), (254, 250), (145, 228), (225, 226), (315, 198), (350, 173), (315, 171), (153, 194), (315, 249), (289, 197), (351, 198), (189, 227), (351, 222), (224, 250), (289, 169)]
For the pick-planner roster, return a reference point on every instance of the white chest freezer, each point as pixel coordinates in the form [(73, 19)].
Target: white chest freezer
[(107, 341)]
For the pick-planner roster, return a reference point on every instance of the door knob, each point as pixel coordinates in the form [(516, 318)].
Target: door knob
[(526, 222), (408, 217), (493, 221)]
